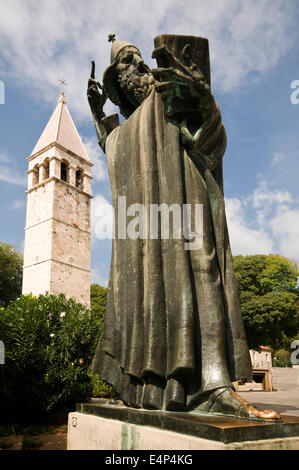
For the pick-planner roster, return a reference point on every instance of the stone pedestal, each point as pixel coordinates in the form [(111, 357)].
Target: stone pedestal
[(104, 426)]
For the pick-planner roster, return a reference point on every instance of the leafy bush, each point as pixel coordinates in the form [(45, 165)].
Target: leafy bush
[(49, 344), (98, 300), (282, 358), (101, 389), (282, 363), (11, 269)]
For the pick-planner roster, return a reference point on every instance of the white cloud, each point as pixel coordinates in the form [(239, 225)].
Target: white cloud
[(39, 45), (277, 158), (99, 171), (285, 225), (8, 175), (8, 172), (284, 168), (245, 240), (264, 197), (265, 200), (266, 221), (3, 158), (19, 204), (102, 218), (97, 276)]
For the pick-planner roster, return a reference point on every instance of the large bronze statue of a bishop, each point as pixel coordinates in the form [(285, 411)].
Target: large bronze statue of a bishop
[(173, 336)]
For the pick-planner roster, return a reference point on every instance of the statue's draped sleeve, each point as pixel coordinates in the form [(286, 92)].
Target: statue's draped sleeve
[(104, 126)]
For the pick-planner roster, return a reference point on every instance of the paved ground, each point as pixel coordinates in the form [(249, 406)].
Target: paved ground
[(285, 402)]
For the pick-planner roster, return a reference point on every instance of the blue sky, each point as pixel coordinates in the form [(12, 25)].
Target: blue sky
[(254, 60)]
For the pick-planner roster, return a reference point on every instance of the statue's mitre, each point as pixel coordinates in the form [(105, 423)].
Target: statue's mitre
[(110, 77), (118, 46)]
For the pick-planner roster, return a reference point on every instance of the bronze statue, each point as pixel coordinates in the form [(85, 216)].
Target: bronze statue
[(173, 336)]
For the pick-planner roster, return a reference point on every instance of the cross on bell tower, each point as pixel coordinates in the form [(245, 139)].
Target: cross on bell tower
[(62, 84)]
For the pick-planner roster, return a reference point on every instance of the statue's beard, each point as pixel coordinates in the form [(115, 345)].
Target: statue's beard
[(136, 86)]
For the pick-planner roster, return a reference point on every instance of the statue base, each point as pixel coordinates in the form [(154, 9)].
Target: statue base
[(104, 425)]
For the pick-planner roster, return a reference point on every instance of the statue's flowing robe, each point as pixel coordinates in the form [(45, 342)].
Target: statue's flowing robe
[(173, 328)]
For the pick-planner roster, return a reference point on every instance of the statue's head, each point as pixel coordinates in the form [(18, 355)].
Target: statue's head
[(128, 80)]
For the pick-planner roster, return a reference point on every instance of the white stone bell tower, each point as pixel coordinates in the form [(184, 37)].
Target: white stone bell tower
[(57, 233)]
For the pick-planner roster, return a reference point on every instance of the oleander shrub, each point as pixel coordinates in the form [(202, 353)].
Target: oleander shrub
[(49, 344)]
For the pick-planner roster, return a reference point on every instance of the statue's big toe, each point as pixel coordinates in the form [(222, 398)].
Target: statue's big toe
[(250, 412), (230, 403)]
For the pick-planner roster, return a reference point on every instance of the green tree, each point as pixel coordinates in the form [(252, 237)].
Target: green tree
[(279, 274), (11, 272), (98, 300), (269, 299), (262, 274)]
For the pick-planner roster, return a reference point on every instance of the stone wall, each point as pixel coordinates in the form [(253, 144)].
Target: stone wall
[(36, 278), (71, 206), (74, 282)]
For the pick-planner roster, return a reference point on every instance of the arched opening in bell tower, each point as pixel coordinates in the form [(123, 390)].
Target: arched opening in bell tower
[(46, 168), (64, 170), (79, 178), (35, 179)]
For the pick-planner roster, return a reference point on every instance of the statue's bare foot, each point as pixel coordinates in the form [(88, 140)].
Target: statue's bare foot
[(227, 402)]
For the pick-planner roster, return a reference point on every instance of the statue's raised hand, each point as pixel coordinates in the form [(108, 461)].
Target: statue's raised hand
[(96, 94)]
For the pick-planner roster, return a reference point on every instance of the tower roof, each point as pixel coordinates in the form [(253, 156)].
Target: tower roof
[(61, 130)]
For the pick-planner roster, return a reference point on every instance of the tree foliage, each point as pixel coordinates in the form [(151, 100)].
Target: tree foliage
[(98, 300), (11, 272), (269, 299), (270, 318), (49, 344), (262, 274)]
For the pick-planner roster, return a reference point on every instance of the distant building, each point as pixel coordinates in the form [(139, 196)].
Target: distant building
[(57, 233), (261, 361)]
